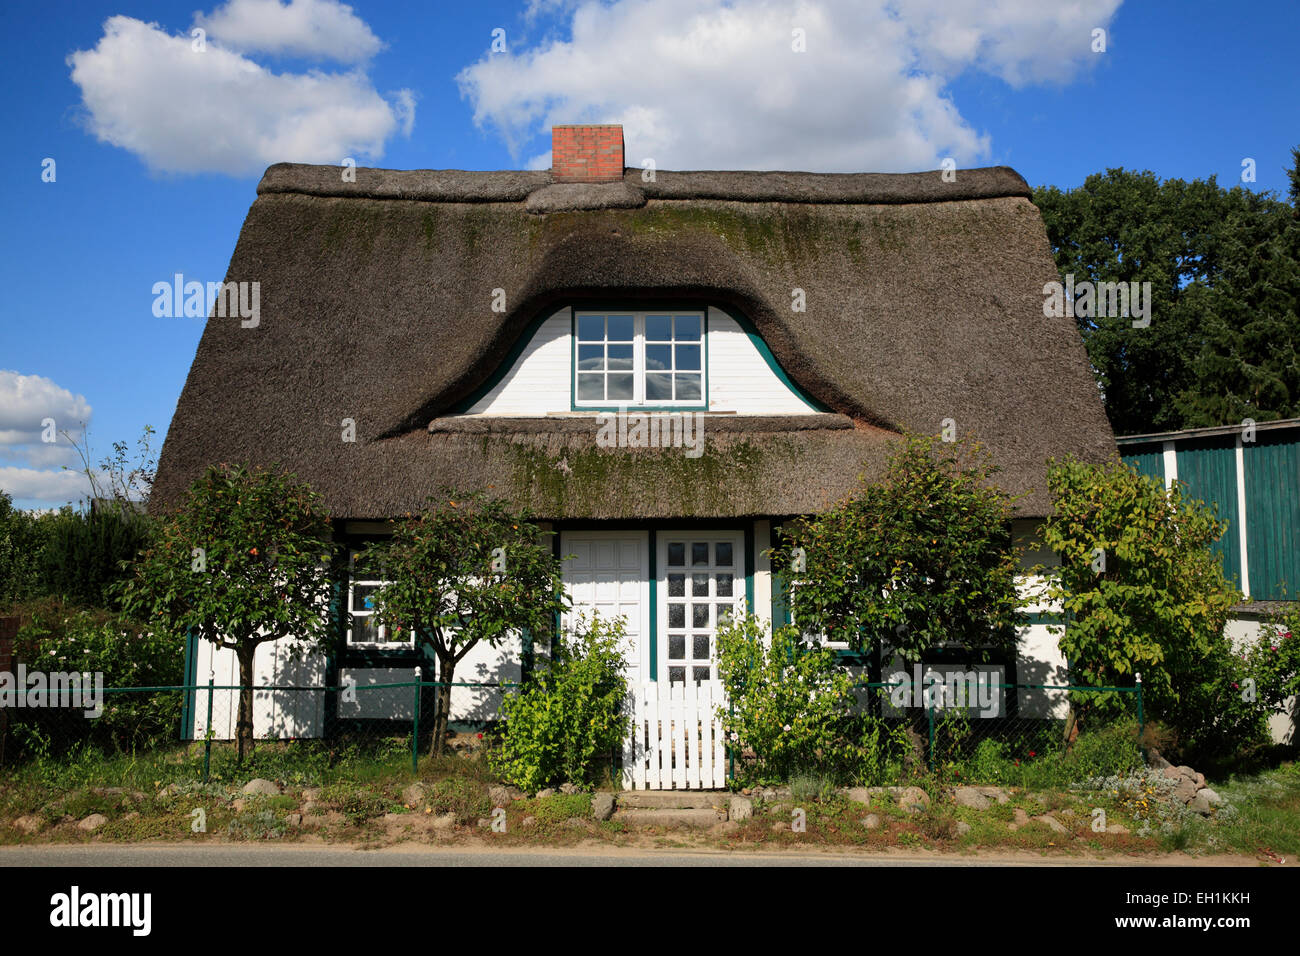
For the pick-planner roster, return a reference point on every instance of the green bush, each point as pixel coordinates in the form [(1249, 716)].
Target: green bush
[(87, 554), (57, 638), (569, 717)]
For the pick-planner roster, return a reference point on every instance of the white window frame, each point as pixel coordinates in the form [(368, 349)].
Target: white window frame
[(639, 363), (354, 582)]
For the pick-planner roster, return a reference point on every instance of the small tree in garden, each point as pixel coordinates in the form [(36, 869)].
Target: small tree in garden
[(571, 713), (922, 558), (1143, 591), (465, 570), (240, 563)]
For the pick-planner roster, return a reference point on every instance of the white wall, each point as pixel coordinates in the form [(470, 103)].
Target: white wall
[(1243, 632)]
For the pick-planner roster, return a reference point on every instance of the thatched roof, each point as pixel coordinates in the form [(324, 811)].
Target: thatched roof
[(924, 302)]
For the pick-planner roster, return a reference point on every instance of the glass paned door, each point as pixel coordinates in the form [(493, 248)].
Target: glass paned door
[(702, 579)]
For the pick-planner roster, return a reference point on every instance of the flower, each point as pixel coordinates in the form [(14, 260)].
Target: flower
[(1032, 754), (786, 727)]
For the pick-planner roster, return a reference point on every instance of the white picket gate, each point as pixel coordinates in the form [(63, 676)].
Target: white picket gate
[(676, 741)]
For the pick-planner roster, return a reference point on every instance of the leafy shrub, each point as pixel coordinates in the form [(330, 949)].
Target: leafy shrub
[(87, 554), (56, 638), (464, 797), (570, 714), (22, 542), (792, 710)]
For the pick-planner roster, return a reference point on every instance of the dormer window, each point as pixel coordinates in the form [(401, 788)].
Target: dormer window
[(654, 359)]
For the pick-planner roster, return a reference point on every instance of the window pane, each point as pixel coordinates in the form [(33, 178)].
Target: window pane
[(699, 674), (724, 585), (620, 388), (677, 585), (699, 552), (659, 328), (659, 388), (699, 615), (591, 357), (591, 387), (676, 553), (688, 357), (677, 616), (677, 675), (658, 357), (620, 328), (723, 553), (591, 328), (365, 629), (676, 646), (686, 327), (688, 387), (362, 597), (699, 585), (701, 646), (620, 357)]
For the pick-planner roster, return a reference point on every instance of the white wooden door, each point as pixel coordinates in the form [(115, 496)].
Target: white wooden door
[(609, 574), (701, 578)]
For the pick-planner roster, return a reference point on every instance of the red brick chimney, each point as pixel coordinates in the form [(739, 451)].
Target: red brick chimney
[(587, 154)]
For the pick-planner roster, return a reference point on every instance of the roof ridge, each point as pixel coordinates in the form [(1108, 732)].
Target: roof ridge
[(459, 185)]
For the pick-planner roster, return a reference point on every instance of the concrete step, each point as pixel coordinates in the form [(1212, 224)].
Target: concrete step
[(669, 816), (673, 799)]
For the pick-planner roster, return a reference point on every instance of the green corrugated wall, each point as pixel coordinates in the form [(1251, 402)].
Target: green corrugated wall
[(1273, 517), (1210, 473), (1151, 464)]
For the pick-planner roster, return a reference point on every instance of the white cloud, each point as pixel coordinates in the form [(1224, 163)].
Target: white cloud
[(717, 85), (26, 402), (311, 28), (184, 111), (52, 487)]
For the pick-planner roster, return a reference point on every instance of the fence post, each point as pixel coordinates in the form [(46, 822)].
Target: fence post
[(1141, 721), (929, 713), (207, 741), (415, 723)]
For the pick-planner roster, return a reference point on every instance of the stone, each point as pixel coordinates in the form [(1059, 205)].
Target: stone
[(1170, 771), (543, 794), (914, 800), (1200, 780), (740, 808), (29, 823), (871, 821), (1156, 760), (92, 822), (502, 796), (972, 798), (779, 826), (997, 794), (132, 815), (294, 819), (528, 822), (444, 821), (1052, 823), (578, 823), (311, 794), (1185, 790), (963, 828), (1205, 802), (602, 806), (259, 787), (413, 795), (171, 790), (1117, 828), (1021, 818), (238, 804), (1187, 772), (569, 789), (725, 827), (482, 823)]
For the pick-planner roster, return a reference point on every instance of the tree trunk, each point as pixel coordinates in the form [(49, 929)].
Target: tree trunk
[(446, 673), (244, 724)]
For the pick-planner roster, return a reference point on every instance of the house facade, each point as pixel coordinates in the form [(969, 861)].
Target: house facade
[(664, 366)]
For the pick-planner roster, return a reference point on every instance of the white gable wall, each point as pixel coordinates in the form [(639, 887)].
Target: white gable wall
[(739, 379)]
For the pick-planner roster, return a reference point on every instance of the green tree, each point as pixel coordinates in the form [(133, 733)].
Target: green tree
[(924, 557), (1142, 590), (464, 570), (22, 541), (1222, 264), (241, 563)]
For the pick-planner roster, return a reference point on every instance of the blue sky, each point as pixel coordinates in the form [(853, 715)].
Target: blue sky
[(158, 146)]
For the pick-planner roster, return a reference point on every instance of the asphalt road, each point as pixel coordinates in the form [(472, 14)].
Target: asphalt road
[(108, 855)]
